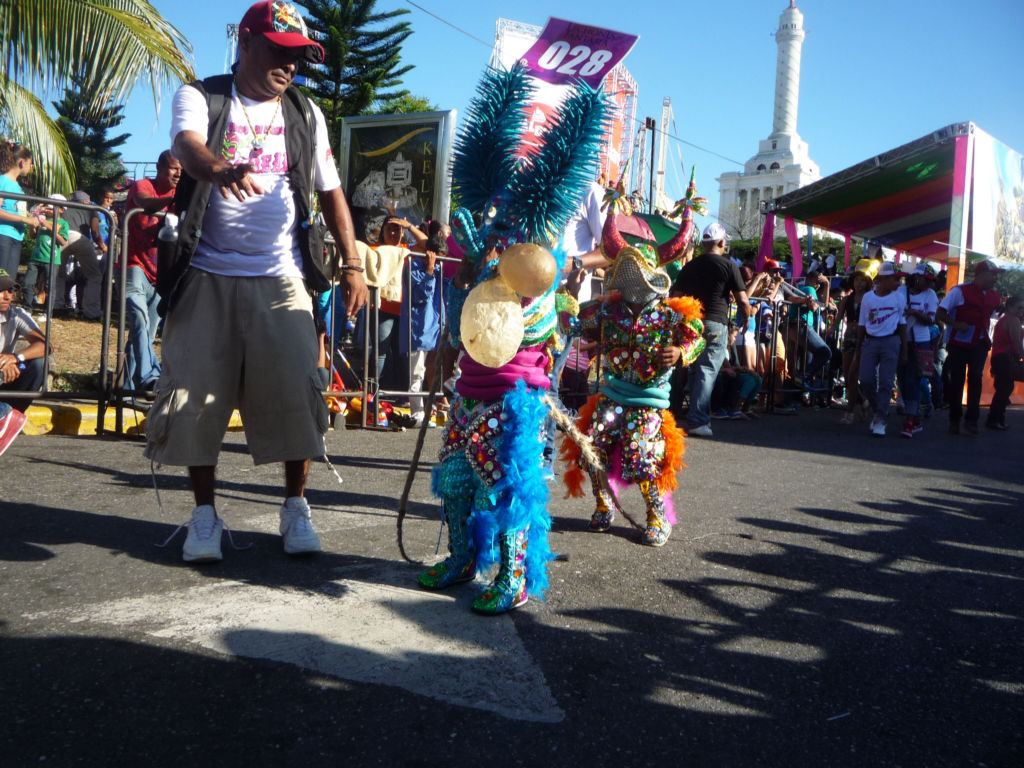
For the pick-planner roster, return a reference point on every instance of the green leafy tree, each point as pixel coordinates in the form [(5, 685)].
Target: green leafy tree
[(85, 129), (113, 45), (362, 58), (403, 105)]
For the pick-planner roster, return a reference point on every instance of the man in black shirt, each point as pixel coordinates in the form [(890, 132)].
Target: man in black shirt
[(715, 281)]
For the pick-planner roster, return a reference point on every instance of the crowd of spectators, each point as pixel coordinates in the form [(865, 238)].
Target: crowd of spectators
[(864, 341)]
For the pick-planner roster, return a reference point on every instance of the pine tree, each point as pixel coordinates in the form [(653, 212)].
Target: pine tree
[(85, 129), (362, 55)]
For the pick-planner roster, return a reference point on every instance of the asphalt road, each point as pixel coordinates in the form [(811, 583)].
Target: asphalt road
[(827, 599)]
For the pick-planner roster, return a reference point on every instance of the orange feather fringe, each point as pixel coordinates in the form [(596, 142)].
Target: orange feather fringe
[(675, 449)]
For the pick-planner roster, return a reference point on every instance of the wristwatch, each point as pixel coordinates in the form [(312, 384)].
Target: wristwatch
[(20, 357)]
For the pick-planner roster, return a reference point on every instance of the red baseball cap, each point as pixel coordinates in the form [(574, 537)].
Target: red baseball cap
[(281, 24), (771, 264), (985, 266)]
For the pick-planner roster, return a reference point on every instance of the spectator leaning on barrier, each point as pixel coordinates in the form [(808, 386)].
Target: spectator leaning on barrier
[(391, 253), (81, 259), (881, 342), (21, 370), (849, 314), (422, 311), (967, 310), (715, 281), (153, 196)]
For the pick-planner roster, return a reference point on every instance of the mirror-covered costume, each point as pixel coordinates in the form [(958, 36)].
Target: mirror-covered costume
[(490, 476), (628, 419)]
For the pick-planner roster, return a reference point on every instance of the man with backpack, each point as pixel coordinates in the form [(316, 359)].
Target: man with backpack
[(235, 286)]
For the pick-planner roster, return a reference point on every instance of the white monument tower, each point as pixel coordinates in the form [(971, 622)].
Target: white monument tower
[(782, 163)]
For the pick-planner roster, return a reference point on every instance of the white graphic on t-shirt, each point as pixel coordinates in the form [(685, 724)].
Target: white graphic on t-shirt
[(239, 147)]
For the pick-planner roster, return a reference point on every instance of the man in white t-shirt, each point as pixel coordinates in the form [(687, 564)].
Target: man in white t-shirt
[(239, 328), (882, 342), (922, 302)]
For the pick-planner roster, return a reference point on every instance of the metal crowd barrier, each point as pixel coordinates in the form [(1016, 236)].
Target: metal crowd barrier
[(371, 385), (782, 322), (112, 387), (51, 286)]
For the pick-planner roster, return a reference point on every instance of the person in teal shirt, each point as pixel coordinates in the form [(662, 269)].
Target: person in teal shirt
[(15, 162), (39, 263)]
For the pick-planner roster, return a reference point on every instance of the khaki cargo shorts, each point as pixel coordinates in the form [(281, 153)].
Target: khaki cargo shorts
[(238, 342)]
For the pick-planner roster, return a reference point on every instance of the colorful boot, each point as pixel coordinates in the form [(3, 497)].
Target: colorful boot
[(460, 565), (508, 590), (658, 528), (602, 518)]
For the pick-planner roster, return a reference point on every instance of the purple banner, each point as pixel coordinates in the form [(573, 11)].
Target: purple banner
[(567, 51)]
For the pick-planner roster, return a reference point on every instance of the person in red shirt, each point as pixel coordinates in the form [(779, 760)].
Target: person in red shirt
[(967, 312), (153, 196)]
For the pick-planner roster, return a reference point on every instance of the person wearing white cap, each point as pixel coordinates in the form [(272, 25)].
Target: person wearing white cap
[(882, 342), (715, 281), (967, 309)]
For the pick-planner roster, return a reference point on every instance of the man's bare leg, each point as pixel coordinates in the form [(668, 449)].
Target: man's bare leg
[(295, 477), (202, 480)]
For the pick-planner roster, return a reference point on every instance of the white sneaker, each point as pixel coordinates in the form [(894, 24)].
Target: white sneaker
[(704, 430), (878, 427), (202, 544), (297, 528)]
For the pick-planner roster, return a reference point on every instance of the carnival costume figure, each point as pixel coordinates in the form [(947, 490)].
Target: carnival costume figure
[(490, 476), (638, 330)]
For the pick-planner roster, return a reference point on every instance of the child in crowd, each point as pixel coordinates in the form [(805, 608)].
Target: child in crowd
[(920, 363), (1007, 355), (737, 387), (881, 342), (37, 278)]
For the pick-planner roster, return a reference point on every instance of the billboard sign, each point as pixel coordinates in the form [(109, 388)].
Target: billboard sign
[(396, 164), (997, 201)]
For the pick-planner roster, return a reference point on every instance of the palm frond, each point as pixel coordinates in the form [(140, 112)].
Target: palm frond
[(112, 44), (27, 121)]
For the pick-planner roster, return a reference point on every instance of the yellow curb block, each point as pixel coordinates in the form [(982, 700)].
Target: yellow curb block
[(62, 418)]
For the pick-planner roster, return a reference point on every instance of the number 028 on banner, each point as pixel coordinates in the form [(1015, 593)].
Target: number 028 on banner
[(567, 51)]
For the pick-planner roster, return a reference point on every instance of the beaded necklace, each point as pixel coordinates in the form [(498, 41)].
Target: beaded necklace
[(257, 142)]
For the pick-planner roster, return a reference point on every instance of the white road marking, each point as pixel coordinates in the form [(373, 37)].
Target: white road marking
[(423, 642)]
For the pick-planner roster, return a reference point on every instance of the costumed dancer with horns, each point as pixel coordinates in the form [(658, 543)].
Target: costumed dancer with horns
[(642, 334), (491, 477)]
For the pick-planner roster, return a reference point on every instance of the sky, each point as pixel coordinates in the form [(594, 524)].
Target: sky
[(875, 74)]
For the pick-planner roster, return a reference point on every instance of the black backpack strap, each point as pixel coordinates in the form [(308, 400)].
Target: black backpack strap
[(191, 196)]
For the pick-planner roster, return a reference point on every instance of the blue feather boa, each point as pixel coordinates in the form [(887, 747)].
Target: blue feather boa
[(520, 499)]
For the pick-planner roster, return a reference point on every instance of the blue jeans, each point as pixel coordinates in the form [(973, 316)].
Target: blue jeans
[(141, 300), (879, 359), (820, 354), (705, 370), (10, 255), (910, 379)]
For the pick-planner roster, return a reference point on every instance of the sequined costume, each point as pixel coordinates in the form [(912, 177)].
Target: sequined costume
[(490, 476), (628, 419)]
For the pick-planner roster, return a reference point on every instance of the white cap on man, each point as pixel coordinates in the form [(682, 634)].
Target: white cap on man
[(714, 232)]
